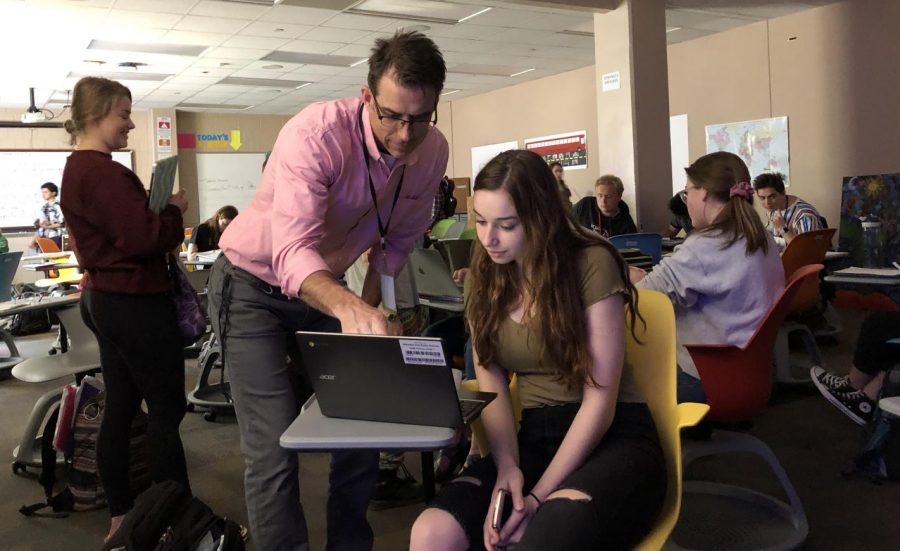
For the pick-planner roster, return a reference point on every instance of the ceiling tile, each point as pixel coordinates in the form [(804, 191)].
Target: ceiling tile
[(275, 29), (191, 37), (236, 10), (360, 22), (310, 47), (142, 19), (298, 15), (210, 24), (258, 42), (331, 34), (236, 53), (165, 6)]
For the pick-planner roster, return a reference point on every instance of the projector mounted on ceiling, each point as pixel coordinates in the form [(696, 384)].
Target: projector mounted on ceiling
[(33, 114)]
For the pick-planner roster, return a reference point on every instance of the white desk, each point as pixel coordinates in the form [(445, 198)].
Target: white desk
[(862, 280), (312, 431), (36, 303)]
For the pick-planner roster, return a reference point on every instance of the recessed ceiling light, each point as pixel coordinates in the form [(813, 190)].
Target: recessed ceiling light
[(273, 67), (94, 61)]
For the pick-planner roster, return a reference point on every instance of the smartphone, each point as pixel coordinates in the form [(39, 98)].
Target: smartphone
[(499, 503)]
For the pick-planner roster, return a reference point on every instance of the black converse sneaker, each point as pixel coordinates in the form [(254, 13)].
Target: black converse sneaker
[(830, 381), (854, 404)]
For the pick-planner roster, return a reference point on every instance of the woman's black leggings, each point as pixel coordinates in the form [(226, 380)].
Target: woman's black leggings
[(141, 359)]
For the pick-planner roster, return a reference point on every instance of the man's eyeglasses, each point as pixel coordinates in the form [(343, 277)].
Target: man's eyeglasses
[(683, 196), (393, 121)]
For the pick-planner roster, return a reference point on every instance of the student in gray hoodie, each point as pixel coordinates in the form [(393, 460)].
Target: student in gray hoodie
[(727, 273)]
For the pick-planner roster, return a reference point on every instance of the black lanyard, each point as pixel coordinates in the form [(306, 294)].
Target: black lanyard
[(382, 227)]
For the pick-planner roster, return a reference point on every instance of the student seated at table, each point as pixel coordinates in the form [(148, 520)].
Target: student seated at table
[(789, 215), (856, 394), (205, 237), (727, 273), (605, 212), (545, 299), (680, 220)]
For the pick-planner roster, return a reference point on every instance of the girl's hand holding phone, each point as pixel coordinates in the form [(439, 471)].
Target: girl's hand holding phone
[(507, 491)]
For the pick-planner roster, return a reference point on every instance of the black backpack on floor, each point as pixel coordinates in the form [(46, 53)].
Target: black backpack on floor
[(166, 517)]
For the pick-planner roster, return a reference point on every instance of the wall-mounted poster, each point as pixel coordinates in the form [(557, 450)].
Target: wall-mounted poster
[(569, 149), (763, 144), (484, 153)]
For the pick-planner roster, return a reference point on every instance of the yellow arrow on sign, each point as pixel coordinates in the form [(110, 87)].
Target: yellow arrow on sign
[(235, 139)]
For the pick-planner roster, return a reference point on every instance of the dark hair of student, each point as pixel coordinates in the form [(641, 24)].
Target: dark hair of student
[(51, 187), (414, 58), (725, 176), (555, 239), (774, 180), (228, 212), (92, 99), (677, 206)]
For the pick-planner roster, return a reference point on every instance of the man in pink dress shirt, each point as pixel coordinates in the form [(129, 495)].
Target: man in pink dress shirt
[(344, 177)]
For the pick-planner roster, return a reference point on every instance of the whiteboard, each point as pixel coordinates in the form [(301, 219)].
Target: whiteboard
[(21, 175), (681, 159), (227, 179), (484, 153)]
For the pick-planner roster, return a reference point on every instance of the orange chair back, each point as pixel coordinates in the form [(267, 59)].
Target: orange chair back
[(738, 381), (47, 245), (805, 249)]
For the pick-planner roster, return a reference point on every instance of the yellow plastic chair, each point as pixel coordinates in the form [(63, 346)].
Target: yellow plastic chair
[(440, 229), (64, 276), (653, 361)]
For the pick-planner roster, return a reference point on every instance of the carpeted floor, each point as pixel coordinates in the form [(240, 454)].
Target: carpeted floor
[(811, 438)]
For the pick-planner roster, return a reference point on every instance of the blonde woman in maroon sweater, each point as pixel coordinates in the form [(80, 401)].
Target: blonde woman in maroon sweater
[(122, 247)]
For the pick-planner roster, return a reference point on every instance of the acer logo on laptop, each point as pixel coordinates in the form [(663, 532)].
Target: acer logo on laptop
[(326, 377)]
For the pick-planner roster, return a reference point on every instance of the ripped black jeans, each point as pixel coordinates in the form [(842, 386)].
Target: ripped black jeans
[(625, 478)]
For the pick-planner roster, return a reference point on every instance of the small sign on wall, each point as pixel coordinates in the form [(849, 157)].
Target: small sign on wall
[(163, 137), (611, 81)]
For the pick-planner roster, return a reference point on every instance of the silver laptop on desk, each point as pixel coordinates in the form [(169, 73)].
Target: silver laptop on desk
[(389, 379), (432, 276)]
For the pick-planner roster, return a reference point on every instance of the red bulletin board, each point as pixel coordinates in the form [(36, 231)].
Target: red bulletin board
[(569, 149)]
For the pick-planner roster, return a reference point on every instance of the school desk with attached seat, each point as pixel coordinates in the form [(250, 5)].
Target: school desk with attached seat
[(82, 358)]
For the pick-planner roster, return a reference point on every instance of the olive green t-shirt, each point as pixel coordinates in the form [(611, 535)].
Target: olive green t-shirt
[(518, 346)]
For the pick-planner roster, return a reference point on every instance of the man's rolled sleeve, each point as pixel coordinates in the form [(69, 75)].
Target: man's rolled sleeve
[(301, 168)]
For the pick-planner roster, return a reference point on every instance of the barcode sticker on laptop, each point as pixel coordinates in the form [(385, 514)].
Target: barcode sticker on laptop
[(422, 352)]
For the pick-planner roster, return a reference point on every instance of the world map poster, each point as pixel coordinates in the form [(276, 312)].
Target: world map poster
[(762, 144)]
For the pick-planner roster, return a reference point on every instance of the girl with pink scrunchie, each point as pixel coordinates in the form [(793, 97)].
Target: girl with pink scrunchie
[(727, 273)]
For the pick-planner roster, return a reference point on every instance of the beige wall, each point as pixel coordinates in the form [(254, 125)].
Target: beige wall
[(831, 70), (552, 105), (258, 134), (836, 80)]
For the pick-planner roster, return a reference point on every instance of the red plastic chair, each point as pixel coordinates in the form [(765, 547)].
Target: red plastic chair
[(738, 383), (805, 249)]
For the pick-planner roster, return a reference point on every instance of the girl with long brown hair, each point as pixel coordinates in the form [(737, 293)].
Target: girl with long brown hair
[(727, 273), (546, 299), (205, 237)]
